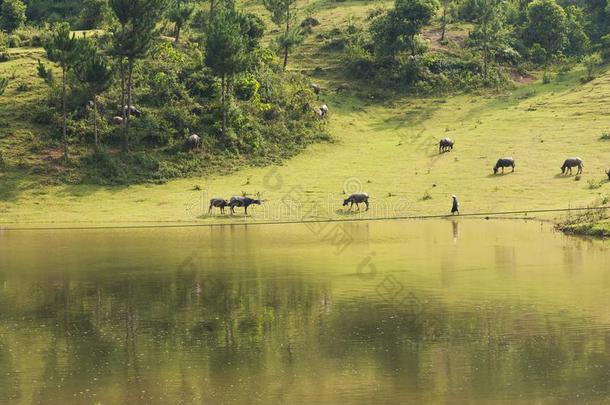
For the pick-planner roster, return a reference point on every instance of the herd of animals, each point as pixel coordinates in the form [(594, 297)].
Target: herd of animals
[(193, 142), (445, 145)]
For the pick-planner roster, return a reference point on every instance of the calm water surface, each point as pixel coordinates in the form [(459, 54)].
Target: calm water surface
[(407, 312)]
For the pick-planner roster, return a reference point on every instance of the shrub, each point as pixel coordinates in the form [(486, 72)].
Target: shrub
[(3, 41), (106, 168), (538, 54), (12, 15), (308, 23), (594, 184), (591, 62), (44, 73), (14, 41), (23, 87), (246, 87), (547, 77)]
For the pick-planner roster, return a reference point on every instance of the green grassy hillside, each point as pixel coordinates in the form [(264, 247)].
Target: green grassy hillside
[(387, 148)]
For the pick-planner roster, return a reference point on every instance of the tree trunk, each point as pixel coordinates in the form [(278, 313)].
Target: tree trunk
[(285, 57), (95, 121), (485, 61), (485, 49), (129, 102), (177, 33), (123, 92), (212, 10), (64, 130), (443, 23), (224, 105), (286, 33), (412, 46)]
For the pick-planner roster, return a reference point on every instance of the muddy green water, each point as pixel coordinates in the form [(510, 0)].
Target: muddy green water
[(404, 312)]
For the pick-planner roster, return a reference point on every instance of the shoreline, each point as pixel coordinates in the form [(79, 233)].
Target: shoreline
[(177, 224)]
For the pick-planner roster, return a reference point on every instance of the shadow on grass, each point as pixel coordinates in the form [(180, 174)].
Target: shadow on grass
[(491, 175), (10, 183), (348, 213)]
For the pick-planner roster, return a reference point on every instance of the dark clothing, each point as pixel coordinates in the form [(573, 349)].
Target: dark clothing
[(455, 206)]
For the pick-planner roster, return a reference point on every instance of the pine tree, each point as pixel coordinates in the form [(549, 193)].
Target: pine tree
[(93, 71), (226, 52), (180, 14), (62, 49), (283, 14), (131, 41)]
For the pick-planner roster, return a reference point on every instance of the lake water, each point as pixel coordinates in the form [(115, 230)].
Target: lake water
[(405, 312)]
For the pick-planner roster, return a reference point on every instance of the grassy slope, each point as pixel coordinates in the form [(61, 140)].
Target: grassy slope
[(388, 147)]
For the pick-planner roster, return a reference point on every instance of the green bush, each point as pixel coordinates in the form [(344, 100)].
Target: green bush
[(106, 168), (14, 41), (246, 87)]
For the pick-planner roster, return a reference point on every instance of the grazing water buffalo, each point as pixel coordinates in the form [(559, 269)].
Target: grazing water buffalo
[(323, 110), (117, 120), (132, 110), (242, 202), (570, 163), (218, 203), (445, 145), (504, 162), (193, 142), (316, 89), (357, 198)]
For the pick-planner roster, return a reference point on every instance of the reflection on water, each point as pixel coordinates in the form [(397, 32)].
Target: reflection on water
[(275, 314)]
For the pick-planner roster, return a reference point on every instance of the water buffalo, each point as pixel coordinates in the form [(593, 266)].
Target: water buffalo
[(445, 145), (570, 163), (117, 120), (193, 142), (132, 110), (342, 87), (504, 162), (218, 203), (323, 110), (357, 198), (316, 89), (242, 202)]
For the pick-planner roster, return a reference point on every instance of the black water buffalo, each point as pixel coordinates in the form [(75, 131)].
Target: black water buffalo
[(218, 203), (357, 198), (504, 162), (242, 202), (132, 110), (193, 142), (570, 163), (445, 145)]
